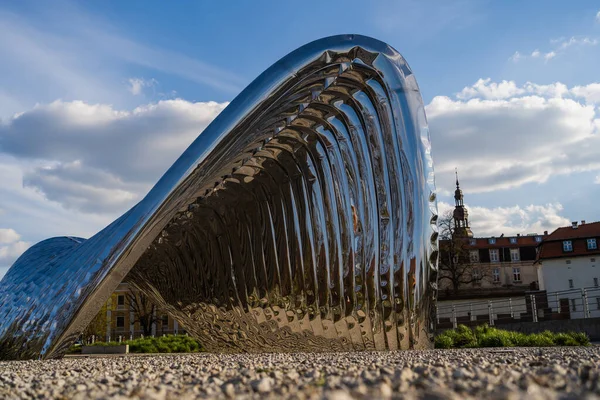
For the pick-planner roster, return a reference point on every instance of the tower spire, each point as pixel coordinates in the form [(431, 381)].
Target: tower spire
[(456, 172), (460, 215)]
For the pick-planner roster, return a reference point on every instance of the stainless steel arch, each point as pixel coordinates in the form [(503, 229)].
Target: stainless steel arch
[(302, 218)]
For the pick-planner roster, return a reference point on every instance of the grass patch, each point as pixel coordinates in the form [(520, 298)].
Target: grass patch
[(486, 336), (161, 344)]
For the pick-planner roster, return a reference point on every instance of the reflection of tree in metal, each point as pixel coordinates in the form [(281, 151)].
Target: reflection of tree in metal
[(143, 311), (302, 218)]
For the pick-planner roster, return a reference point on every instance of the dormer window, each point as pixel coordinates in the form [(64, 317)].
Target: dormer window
[(473, 242), (591, 244), (513, 240), (567, 245), (492, 240), (538, 239)]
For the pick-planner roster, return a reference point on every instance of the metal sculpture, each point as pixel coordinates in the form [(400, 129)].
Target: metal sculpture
[(302, 219)]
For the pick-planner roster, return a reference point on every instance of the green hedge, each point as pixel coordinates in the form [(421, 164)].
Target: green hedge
[(161, 344), (486, 336)]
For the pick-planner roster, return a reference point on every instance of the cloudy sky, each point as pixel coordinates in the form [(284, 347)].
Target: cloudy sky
[(98, 99)]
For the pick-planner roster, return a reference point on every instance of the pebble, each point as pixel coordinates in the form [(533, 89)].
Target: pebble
[(522, 373)]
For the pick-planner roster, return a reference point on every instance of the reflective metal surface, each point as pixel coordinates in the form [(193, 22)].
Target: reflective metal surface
[(302, 219)]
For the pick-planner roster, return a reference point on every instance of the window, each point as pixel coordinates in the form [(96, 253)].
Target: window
[(598, 302), (120, 322), (595, 282), (513, 240), (165, 320), (476, 275), (494, 255), (514, 255), (496, 275), (567, 245), (473, 242), (517, 274), (591, 244), (538, 239), (474, 256), (571, 285), (120, 300), (573, 305), (568, 261), (492, 240)]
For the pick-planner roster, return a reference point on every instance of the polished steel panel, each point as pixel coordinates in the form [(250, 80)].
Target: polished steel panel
[(302, 219)]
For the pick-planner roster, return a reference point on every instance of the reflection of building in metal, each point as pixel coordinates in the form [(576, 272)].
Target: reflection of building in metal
[(301, 219), (129, 314)]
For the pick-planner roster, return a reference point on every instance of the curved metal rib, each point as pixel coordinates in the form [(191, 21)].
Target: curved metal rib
[(302, 218)]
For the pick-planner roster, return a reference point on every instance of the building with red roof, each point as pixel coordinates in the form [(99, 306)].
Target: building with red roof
[(568, 262)]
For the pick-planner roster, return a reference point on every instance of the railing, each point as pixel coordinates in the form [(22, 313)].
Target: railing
[(534, 306), (119, 335)]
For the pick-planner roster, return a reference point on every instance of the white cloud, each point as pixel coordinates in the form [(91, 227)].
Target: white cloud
[(516, 57), (502, 141), (560, 46), (137, 85), (556, 89), (11, 247), (597, 180), (486, 89), (598, 16), (95, 158), (591, 92), (8, 235), (573, 41), (512, 220), (549, 56), (490, 90)]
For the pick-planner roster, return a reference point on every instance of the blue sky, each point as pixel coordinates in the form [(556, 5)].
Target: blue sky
[(511, 90)]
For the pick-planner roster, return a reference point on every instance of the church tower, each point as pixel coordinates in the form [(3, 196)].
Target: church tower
[(460, 215)]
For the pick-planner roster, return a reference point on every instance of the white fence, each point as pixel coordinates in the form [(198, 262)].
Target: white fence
[(534, 306)]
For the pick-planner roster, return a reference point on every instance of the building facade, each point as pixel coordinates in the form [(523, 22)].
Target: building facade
[(568, 262), (129, 314)]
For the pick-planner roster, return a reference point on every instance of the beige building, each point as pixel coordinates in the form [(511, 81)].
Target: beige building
[(484, 267), (129, 314)]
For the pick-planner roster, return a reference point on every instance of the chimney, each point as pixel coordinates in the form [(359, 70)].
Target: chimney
[(545, 233), (518, 234), (583, 222), (574, 224)]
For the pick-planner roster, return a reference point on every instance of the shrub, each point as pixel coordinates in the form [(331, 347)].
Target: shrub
[(444, 341), (486, 336), (162, 344), (581, 338)]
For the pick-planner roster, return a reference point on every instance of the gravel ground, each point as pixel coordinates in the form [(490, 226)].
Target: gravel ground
[(532, 373)]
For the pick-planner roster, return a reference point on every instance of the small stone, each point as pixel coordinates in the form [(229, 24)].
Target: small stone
[(461, 373), (217, 381), (262, 385), (385, 390), (339, 395), (229, 390), (293, 375)]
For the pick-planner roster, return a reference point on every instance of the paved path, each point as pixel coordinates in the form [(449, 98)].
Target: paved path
[(550, 373)]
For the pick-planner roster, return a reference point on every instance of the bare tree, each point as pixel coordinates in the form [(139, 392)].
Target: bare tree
[(144, 310), (455, 266)]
